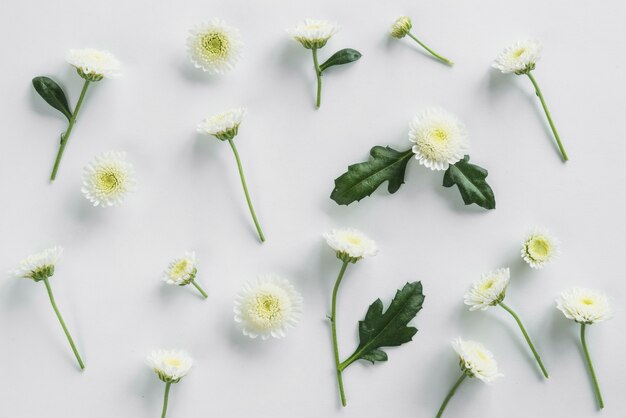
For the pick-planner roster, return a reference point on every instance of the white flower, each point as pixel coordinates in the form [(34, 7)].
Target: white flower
[(214, 46), (440, 138), (182, 270), (488, 290), (519, 57), (224, 125), (539, 248), (39, 266), (93, 64), (584, 306), (314, 33), (476, 360), (170, 365), (401, 27), (351, 244), (267, 307), (107, 179)]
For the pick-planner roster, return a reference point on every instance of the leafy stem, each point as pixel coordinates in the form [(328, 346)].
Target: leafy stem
[(433, 53), (318, 73), (66, 135), (67, 333), (547, 112), (530, 344), (245, 189), (165, 398), (200, 289), (596, 386), (450, 394), (333, 325)]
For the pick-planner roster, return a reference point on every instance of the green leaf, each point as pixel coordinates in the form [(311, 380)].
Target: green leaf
[(470, 180), (53, 94), (362, 179), (341, 57), (388, 329)]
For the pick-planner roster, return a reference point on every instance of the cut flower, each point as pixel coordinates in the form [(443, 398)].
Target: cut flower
[(313, 33), (215, 47), (350, 244), (539, 248), (584, 306), (488, 290), (93, 64), (476, 360), (107, 179)]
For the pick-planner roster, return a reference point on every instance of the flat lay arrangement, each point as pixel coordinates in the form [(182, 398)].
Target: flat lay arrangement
[(271, 288)]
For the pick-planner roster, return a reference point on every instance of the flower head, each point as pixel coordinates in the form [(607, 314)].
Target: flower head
[(488, 290), (313, 34), (215, 47), (107, 179), (170, 365), (519, 58), (401, 27), (440, 138), (539, 248), (224, 125), (584, 306), (267, 307), (39, 266), (182, 270), (93, 64), (476, 360), (351, 244)]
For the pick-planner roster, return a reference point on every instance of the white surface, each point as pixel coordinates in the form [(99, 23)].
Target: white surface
[(108, 283)]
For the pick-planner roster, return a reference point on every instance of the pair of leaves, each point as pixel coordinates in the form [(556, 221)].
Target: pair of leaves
[(53, 94), (341, 57), (388, 329), (470, 179), (389, 165)]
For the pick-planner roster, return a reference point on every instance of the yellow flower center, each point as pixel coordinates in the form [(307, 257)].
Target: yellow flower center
[(108, 181), (268, 307), (354, 240), (172, 361), (440, 135), (587, 301), (214, 44), (180, 267), (488, 284), (539, 248), (519, 52)]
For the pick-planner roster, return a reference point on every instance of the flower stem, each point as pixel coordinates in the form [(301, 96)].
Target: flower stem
[(547, 112), (166, 398), (67, 133), (450, 395), (245, 189), (318, 73), (596, 386), (67, 333), (333, 326), (530, 344), (433, 53), (201, 290)]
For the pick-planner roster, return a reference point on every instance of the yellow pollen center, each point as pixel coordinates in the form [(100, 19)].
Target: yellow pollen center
[(174, 362), (107, 180), (488, 284), (519, 52), (587, 301), (214, 44), (268, 307), (440, 135), (354, 240), (180, 267), (539, 248)]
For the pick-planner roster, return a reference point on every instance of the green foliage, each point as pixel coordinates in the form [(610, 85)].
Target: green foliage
[(470, 179), (341, 57), (53, 94)]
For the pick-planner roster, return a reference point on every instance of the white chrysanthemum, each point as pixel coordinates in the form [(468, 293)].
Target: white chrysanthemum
[(440, 138), (94, 64), (267, 307), (488, 290), (214, 46), (170, 365), (519, 57), (314, 33), (401, 27), (182, 270), (224, 125), (107, 179), (584, 306), (351, 244), (539, 248), (476, 360), (39, 266)]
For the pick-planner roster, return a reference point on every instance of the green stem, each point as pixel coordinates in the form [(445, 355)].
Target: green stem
[(333, 326), (67, 333), (245, 189), (596, 386), (67, 133), (166, 398), (450, 395), (318, 73), (197, 286), (433, 53), (547, 112), (530, 344)]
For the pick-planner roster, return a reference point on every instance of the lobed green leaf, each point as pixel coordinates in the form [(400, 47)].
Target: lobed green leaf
[(470, 179)]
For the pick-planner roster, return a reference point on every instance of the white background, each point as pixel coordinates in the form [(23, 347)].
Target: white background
[(189, 197)]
